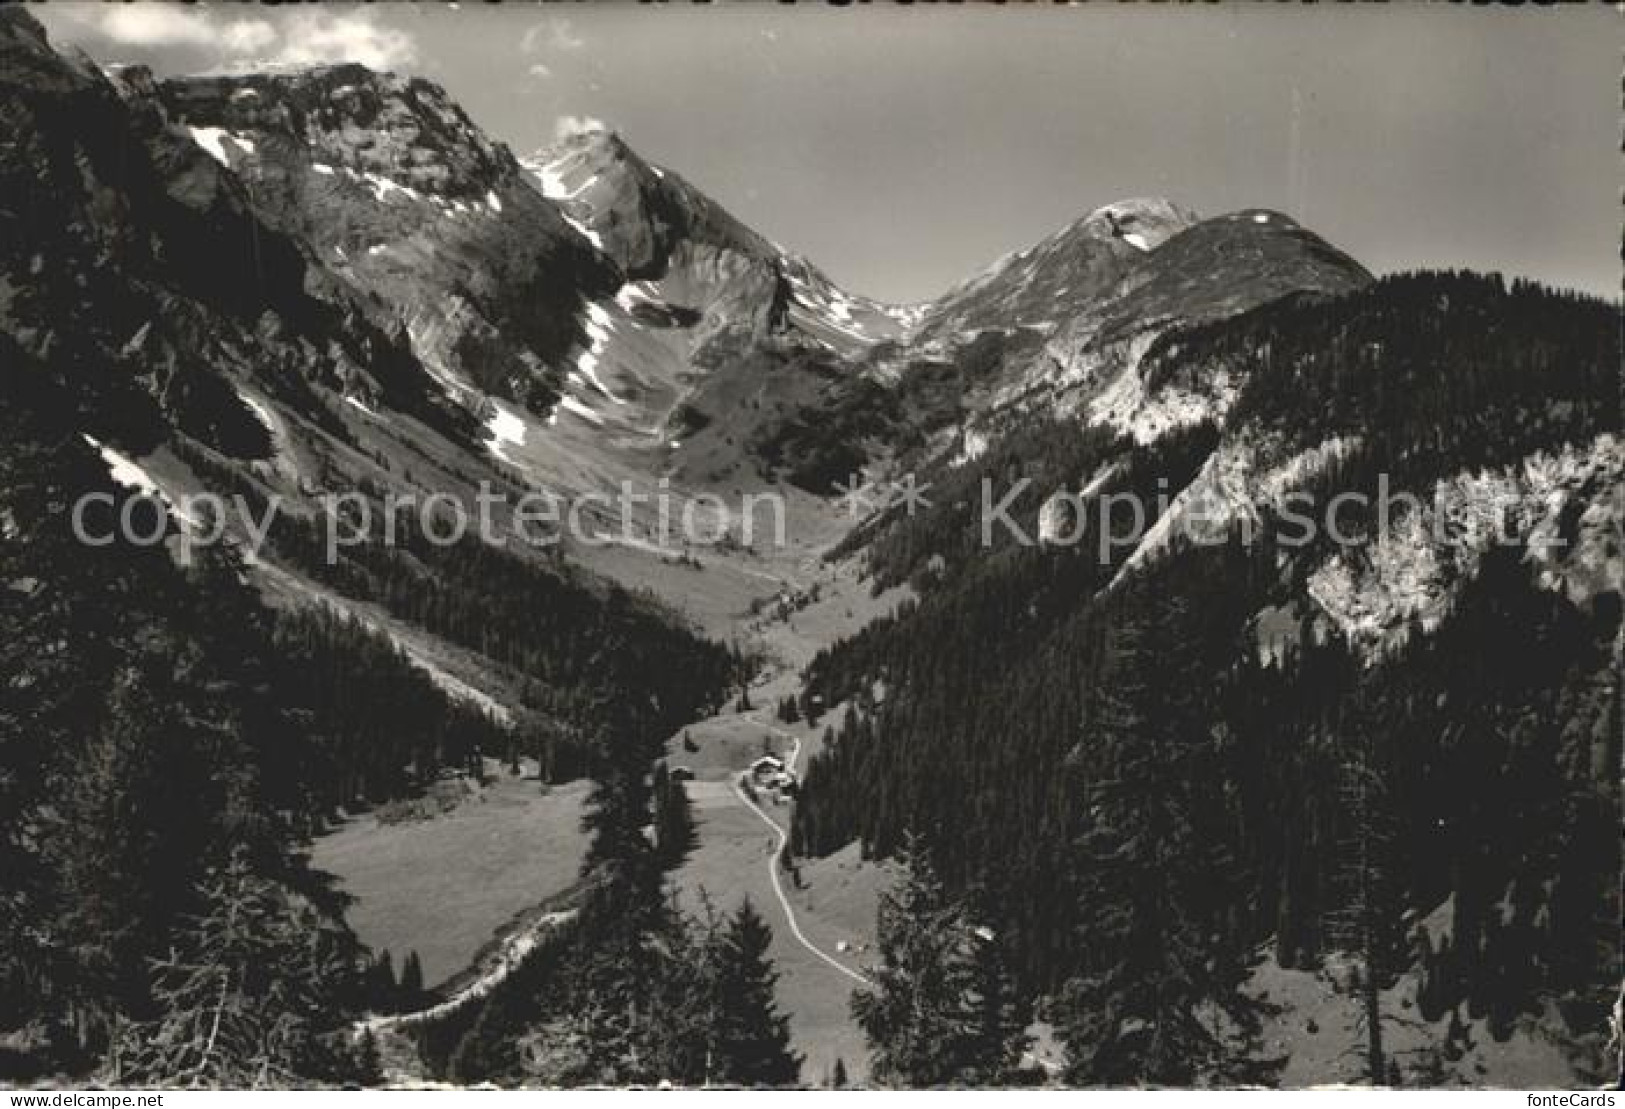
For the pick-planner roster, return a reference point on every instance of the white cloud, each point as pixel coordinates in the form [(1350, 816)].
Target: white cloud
[(314, 36), (158, 25), (247, 36), (149, 24), (294, 38), (565, 126), (540, 70), (553, 33)]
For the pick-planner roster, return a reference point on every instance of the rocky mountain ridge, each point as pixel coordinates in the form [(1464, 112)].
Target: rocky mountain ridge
[(605, 321), (586, 290)]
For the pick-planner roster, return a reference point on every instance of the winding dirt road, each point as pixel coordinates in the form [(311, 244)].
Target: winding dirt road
[(516, 947), (506, 961), (783, 838)]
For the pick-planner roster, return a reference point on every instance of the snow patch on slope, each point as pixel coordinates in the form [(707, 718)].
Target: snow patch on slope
[(583, 230), (550, 175), (552, 178), (261, 410), (507, 430), (575, 407), (634, 293), (383, 188), (599, 325), (130, 474), (212, 140), (125, 470)]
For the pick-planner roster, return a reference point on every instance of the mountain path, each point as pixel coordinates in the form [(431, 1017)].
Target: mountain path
[(513, 952), (783, 838)]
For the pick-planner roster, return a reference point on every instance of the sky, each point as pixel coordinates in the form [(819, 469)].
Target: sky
[(905, 148)]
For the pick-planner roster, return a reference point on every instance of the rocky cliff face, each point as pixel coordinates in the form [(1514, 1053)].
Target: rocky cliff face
[(410, 204), (588, 290), (282, 241), (694, 257), (140, 273)]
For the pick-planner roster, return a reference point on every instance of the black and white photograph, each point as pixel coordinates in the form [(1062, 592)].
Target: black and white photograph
[(829, 547)]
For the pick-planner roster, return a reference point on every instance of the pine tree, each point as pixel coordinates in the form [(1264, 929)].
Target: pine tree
[(673, 818), (750, 1039), (837, 1078), (369, 1065), (411, 980), (1152, 953), (1367, 922), (928, 1018), (1001, 1026), (385, 988), (634, 948), (139, 804), (246, 996)]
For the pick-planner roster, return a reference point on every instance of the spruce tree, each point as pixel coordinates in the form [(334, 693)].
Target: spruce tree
[(1366, 921), (411, 980), (673, 818), (632, 944), (245, 998), (750, 1040), (140, 804), (385, 988), (369, 1065), (1001, 1026), (928, 1018), (1152, 952)]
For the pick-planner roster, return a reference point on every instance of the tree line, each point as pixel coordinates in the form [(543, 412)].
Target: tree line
[(162, 925), (634, 990), (168, 746), (1143, 799)]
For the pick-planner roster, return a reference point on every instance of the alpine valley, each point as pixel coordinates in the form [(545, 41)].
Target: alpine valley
[(894, 798)]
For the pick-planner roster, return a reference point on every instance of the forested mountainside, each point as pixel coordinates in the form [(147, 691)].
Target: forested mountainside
[(169, 741), (628, 989), (210, 323), (163, 760), (1144, 767)]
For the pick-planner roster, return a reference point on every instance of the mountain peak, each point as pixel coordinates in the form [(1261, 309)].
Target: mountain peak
[(579, 132), (636, 212), (1144, 222), (404, 129)]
